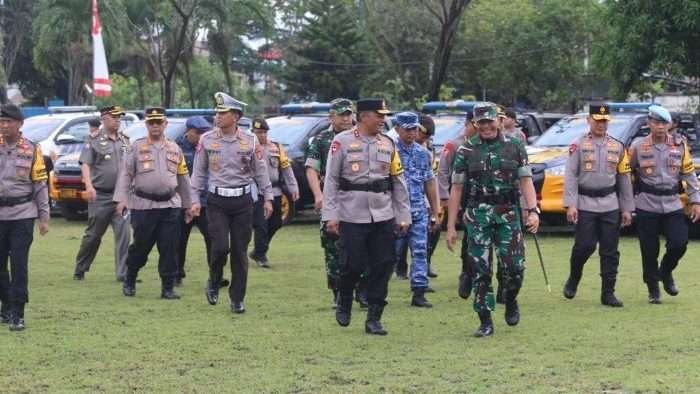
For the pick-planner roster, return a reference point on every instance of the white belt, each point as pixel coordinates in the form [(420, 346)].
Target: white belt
[(230, 191)]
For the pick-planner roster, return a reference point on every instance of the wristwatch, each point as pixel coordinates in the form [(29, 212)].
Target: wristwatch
[(534, 210)]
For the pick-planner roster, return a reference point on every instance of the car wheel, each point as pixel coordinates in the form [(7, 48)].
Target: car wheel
[(287, 208)]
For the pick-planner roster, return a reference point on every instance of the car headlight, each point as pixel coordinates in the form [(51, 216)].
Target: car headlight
[(556, 170)]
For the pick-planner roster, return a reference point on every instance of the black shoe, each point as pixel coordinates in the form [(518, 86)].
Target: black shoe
[(361, 298), (237, 307), (17, 324), (212, 293), (419, 300), (670, 286), (570, 289), (224, 283), (654, 293), (512, 314), (609, 299), (178, 282), (129, 290), (431, 273), (486, 327), (79, 276), (499, 295), (373, 324), (464, 289), (401, 275), (343, 313), (261, 261), (429, 290), (169, 294)]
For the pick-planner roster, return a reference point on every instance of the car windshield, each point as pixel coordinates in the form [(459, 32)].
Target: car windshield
[(565, 131), (446, 129), (175, 128), (288, 131), (38, 129)]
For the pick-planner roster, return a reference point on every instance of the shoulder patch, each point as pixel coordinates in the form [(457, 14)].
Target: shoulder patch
[(572, 148), (335, 146)]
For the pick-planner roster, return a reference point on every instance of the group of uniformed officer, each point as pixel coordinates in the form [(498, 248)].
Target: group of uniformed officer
[(372, 192)]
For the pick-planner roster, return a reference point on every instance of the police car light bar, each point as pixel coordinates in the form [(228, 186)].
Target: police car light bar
[(629, 107), (305, 108), (71, 109), (187, 112), (455, 105)]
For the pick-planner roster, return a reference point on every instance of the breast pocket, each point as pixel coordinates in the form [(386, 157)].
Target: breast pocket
[(105, 152), (23, 167), (145, 162), (355, 161), (647, 167), (612, 161), (589, 162), (173, 159), (674, 163), (508, 168)]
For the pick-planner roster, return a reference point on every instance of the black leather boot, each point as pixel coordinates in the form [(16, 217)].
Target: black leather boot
[(465, 285), (167, 291), (343, 312), (571, 287), (17, 318), (129, 285), (486, 327), (670, 285), (212, 292), (373, 324), (361, 295), (512, 314), (654, 292), (419, 299), (607, 295)]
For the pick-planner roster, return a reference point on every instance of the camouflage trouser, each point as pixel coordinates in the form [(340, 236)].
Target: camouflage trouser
[(417, 240), (329, 243), (497, 226)]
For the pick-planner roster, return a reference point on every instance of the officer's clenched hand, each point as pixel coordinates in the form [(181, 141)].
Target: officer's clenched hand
[(626, 219), (188, 215), (332, 227), (267, 208), (451, 238), (533, 222), (195, 209), (43, 228), (318, 203), (90, 193), (120, 208), (402, 228), (572, 215), (695, 213), (295, 196)]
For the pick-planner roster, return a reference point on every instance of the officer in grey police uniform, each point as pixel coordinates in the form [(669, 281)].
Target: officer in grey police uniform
[(365, 201), (100, 162), (23, 197), (598, 197), (659, 163), (279, 170), (155, 169), (231, 160)]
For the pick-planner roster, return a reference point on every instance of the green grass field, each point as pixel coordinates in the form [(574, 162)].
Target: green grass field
[(87, 337)]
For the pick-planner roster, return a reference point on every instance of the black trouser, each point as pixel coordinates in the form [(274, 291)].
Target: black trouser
[(16, 237), (265, 229), (433, 240), (366, 248), (230, 218), (160, 227), (674, 227), (185, 230), (596, 228)]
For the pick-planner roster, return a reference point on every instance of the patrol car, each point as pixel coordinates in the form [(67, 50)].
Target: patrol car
[(66, 185), (548, 155)]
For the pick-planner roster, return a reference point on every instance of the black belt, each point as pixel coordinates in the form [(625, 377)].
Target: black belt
[(604, 192), (647, 188), (378, 186), (154, 196), (494, 199), (103, 190), (12, 201), (275, 184)]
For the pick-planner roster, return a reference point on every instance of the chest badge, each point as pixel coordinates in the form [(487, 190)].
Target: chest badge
[(589, 166), (147, 165), (107, 157), (355, 167), (649, 171)]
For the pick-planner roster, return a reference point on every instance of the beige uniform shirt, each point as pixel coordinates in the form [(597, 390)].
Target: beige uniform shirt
[(444, 170), (22, 173), (234, 160), (663, 166), (279, 168), (155, 168), (104, 156), (596, 163), (362, 160)]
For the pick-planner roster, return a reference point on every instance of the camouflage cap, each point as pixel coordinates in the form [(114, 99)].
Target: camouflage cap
[(341, 106), (485, 111)]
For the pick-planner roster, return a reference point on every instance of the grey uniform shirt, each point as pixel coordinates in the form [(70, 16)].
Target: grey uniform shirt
[(279, 166), (233, 160), (104, 156), (444, 171), (361, 160), (22, 173), (596, 163), (663, 166), (154, 168)]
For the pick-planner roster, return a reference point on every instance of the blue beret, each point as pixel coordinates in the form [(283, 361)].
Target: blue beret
[(660, 113), (407, 120), (198, 123)]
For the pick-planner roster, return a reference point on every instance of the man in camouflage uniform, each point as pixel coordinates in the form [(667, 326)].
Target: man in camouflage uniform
[(659, 163), (154, 185), (23, 197), (365, 203), (279, 170), (417, 164), (100, 163), (598, 198), (444, 175), (488, 170), (340, 116)]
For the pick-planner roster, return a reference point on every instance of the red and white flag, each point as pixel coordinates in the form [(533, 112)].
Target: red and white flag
[(102, 85)]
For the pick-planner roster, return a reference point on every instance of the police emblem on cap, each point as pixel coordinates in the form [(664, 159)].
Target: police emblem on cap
[(257, 125), (219, 98), (602, 110)]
